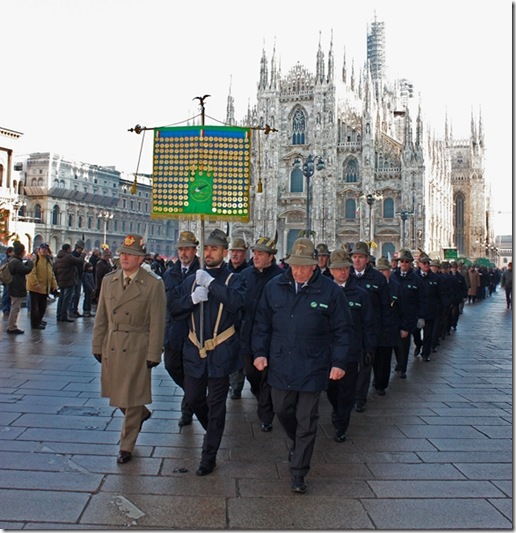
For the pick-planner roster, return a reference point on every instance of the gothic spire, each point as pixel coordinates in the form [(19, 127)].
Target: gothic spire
[(230, 108), (344, 71), (274, 73), (330, 60), (319, 69), (480, 129), (419, 125), (263, 72)]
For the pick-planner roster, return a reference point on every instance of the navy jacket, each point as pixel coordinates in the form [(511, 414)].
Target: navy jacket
[(225, 358), (361, 309), (411, 296), (433, 300), (176, 331), (302, 335), (459, 287), (390, 332), (19, 269), (255, 283)]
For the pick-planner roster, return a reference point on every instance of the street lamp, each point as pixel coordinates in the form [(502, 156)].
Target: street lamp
[(404, 214), (312, 163), (371, 198), (105, 215)]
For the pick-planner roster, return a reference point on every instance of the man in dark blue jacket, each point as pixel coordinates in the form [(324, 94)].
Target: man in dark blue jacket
[(257, 276), (210, 355), (411, 297), (459, 293), (341, 393), (176, 331), (371, 280), (302, 333)]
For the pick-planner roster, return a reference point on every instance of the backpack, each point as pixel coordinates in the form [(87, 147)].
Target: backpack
[(6, 275)]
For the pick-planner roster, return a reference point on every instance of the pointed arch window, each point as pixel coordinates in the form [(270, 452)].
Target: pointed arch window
[(460, 203), (388, 249), (298, 127), (388, 208), (351, 209), (351, 171)]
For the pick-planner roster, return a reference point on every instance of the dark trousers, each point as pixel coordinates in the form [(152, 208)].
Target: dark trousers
[(363, 381), (402, 354), (454, 315), (74, 306), (298, 413), (341, 394), (261, 389), (64, 301), (508, 297), (38, 306), (86, 303), (428, 333), (173, 360), (207, 398), (237, 380), (382, 367)]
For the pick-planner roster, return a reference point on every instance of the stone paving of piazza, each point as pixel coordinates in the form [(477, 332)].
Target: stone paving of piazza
[(435, 453)]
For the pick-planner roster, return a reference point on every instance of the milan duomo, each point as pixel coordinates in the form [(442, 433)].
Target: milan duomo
[(385, 178)]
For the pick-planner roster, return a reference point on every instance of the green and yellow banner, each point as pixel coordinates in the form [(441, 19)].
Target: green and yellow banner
[(202, 170)]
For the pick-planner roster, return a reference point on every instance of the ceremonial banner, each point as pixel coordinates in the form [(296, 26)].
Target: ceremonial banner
[(201, 170)]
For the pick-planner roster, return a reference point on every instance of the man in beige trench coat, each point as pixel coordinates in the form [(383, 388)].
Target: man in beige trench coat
[(128, 338)]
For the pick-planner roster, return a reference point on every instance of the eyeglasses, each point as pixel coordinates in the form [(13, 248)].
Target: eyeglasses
[(405, 261)]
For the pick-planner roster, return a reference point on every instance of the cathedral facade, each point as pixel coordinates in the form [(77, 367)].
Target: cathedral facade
[(348, 158)]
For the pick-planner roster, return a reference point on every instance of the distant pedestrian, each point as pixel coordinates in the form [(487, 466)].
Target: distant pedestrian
[(507, 285), (65, 270), (17, 288), (128, 339), (80, 253), (88, 289), (6, 300), (41, 282), (104, 266)]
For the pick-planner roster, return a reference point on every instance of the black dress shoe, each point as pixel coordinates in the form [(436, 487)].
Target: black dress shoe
[(40, 326), (43, 322), (403, 375), (67, 320), (235, 395), (380, 392), (267, 428), (426, 359), (16, 331), (339, 436), (204, 470), (298, 484), (185, 420), (149, 414), (124, 457), (417, 351), (359, 407)]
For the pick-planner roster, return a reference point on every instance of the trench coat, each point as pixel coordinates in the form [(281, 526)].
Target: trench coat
[(128, 332)]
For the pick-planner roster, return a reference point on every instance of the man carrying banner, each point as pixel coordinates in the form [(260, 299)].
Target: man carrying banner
[(210, 355)]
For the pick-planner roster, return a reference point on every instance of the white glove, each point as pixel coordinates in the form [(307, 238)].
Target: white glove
[(200, 295), (203, 278), (420, 323)]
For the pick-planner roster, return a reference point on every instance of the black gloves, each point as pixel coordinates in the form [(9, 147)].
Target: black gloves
[(151, 364), (98, 357)]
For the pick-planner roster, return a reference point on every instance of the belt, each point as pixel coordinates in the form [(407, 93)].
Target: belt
[(211, 344), (126, 328)]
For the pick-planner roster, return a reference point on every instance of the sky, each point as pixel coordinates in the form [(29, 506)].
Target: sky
[(77, 74)]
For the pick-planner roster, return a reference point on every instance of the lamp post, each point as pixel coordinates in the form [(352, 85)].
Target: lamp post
[(105, 216), (404, 214), (312, 163), (371, 198)]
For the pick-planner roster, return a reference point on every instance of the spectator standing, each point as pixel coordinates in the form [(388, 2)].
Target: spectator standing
[(17, 288), (474, 285), (65, 270), (302, 333), (6, 300), (78, 252), (88, 286), (104, 266), (41, 282), (128, 339), (158, 265)]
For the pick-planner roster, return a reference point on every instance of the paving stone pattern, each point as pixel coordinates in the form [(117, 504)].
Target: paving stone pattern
[(434, 453)]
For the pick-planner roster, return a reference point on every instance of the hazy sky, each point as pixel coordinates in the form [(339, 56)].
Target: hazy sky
[(77, 74)]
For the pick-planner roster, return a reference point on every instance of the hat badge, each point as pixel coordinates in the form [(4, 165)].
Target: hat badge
[(300, 248), (129, 240)]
